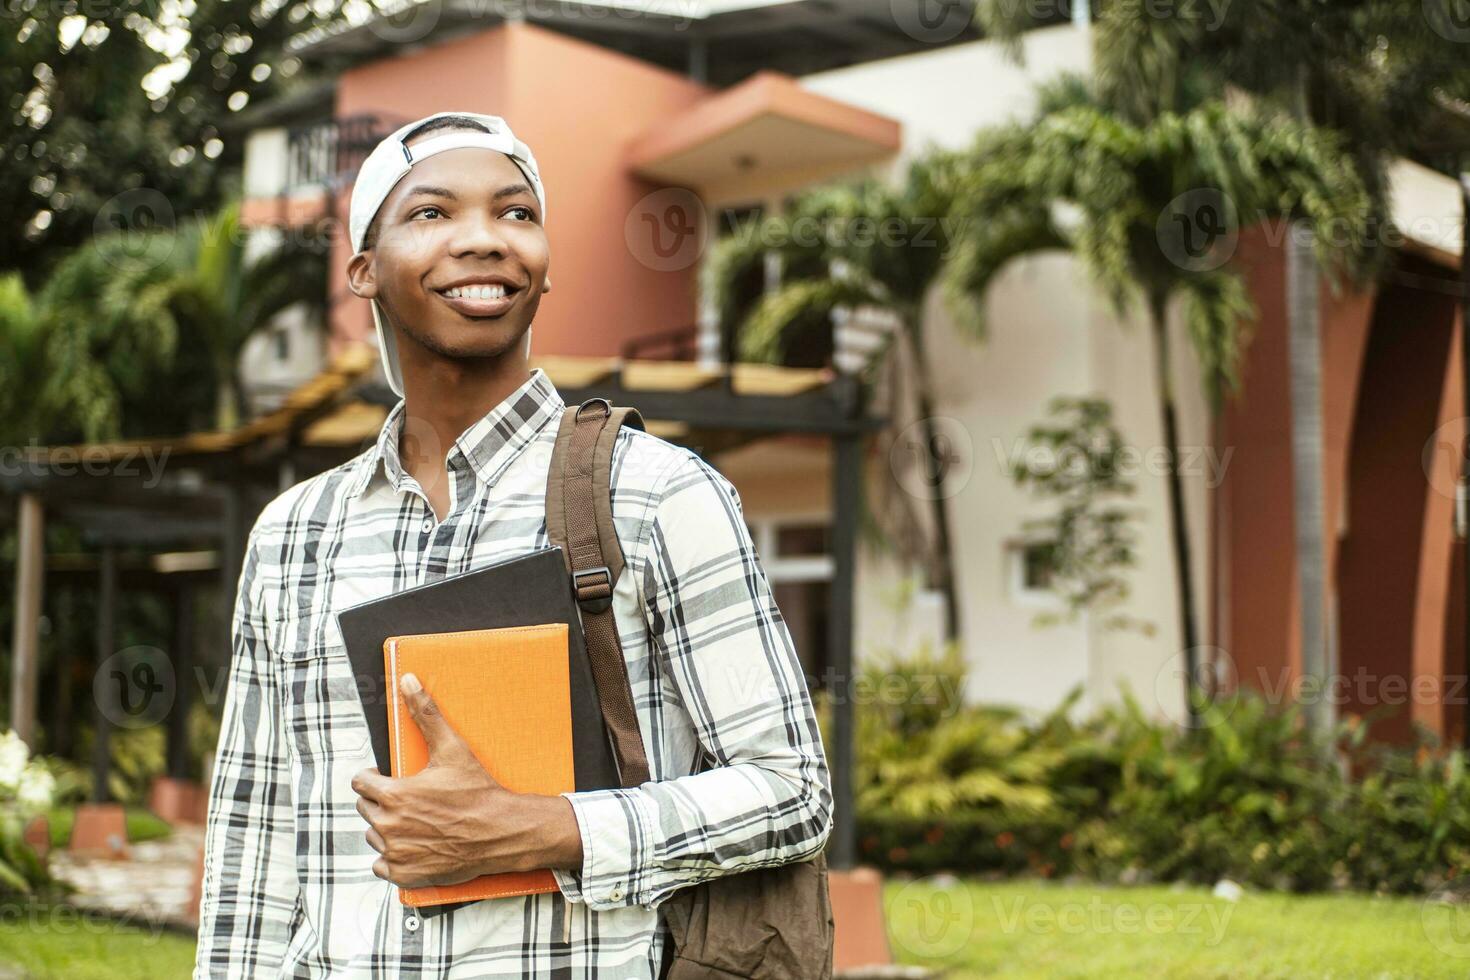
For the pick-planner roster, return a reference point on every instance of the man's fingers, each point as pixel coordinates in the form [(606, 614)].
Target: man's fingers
[(371, 784), (440, 735), (368, 810), (376, 841)]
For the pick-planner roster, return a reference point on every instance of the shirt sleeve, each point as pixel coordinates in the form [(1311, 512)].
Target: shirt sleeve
[(250, 890), (721, 641)]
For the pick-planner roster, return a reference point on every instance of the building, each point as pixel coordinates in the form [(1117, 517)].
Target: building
[(658, 130)]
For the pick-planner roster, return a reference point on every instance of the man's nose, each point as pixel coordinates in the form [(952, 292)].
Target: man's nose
[(477, 233)]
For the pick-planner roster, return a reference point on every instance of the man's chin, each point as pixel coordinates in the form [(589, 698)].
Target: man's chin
[(490, 339)]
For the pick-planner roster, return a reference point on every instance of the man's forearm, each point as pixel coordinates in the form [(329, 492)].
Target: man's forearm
[(549, 836), (554, 841)]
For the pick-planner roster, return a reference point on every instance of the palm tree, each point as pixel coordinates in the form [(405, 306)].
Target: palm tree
[(867, 246), (1370, 70), (101, 359), (22, 350), (140, 335), (216, 288), (1084, 179)]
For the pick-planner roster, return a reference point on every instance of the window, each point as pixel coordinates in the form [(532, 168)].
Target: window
[(795, 555), (1031, 567)]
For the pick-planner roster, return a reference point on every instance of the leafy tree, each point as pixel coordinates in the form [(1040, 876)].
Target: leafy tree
[(887, 246), (1090, 541), (1381, 73), (1086, 180), (214, 293), (117, 112), (22, 349), (140, 334)]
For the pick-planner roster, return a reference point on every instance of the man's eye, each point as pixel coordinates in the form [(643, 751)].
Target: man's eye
[(529, 214), (428, 210)]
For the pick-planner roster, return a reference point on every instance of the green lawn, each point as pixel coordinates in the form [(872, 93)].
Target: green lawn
[(1011, 930), (1037, 929), (61, 943)]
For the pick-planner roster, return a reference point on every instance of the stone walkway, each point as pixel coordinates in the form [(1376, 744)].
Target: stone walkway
[(153, 886)]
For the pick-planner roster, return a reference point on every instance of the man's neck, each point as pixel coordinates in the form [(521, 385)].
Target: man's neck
[(444, 397)]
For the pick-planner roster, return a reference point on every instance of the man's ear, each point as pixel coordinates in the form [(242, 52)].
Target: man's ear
[(362, 275)]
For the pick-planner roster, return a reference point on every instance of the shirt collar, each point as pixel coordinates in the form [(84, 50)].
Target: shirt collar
[(490, 444)]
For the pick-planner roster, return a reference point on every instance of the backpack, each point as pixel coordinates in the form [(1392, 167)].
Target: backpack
[(764, 924)]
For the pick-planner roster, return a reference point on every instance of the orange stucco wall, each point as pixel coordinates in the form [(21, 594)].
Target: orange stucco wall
[(1390, 380), (1393, 566), (578, 106)]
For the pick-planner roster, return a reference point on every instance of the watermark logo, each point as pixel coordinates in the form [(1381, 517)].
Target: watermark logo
[(128, 229), (1445, 918), (407, 22), (668, 230), (1450, 19), (937, 917), (1199, 230), (934, 460), (135, 688), (1443, 457), (931, 21), (1214, 674)]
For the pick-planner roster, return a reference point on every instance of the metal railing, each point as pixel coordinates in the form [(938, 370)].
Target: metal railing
[(331, 152)]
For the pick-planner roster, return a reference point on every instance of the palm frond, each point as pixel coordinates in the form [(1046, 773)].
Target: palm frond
[(763, 331), (1219, 314)]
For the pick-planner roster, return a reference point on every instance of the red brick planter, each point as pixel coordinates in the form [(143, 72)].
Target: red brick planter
[(861, 939), (176, 801), (101, 829)]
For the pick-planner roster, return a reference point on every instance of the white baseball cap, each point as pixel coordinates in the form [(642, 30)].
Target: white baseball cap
[(391, 160)]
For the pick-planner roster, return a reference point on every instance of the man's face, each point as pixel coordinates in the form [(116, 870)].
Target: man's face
[(461, 255)]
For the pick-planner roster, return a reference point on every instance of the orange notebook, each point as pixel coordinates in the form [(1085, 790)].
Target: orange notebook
[(507, 693)]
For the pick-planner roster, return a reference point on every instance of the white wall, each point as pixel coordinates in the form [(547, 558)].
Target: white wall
[(943, 97), (1050, 334)]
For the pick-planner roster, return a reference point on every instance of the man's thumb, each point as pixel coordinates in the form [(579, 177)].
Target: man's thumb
[(431, 721)]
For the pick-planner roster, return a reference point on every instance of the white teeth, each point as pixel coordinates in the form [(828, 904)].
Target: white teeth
[(495, 291)]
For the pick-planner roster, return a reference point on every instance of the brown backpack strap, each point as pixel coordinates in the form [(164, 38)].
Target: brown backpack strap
[(579, 521)]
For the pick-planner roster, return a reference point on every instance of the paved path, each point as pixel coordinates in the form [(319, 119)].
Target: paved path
[(153, 885)]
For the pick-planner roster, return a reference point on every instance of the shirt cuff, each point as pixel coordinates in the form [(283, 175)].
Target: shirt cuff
[(616, 843), (570, 883)]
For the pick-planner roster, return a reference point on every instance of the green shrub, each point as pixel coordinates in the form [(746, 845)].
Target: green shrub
[(1122, 796), (1246, 796), (26, 787)]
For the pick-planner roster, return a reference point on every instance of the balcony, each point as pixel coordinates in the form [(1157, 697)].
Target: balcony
[(294, 173)]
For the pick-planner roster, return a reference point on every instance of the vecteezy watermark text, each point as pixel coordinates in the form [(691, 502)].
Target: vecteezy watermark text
[(146, 462)]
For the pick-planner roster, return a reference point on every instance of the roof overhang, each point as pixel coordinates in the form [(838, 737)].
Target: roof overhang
[(718, 41), (766, 125), (1427, 211)]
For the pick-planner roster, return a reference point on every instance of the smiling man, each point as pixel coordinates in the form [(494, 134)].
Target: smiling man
[(305, 839)]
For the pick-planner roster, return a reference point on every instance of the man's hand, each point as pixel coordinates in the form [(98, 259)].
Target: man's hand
[(453, 822)]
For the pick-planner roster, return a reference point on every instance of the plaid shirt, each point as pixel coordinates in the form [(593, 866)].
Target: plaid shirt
[(289, 888)]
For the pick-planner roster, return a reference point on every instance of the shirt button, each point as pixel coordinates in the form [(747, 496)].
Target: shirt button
[(428, 524), (616, 895), (411, 923)]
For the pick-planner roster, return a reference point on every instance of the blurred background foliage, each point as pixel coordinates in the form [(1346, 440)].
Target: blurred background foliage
[(1117, 795)]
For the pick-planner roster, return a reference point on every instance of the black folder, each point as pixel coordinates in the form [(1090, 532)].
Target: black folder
[(526, 590)]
